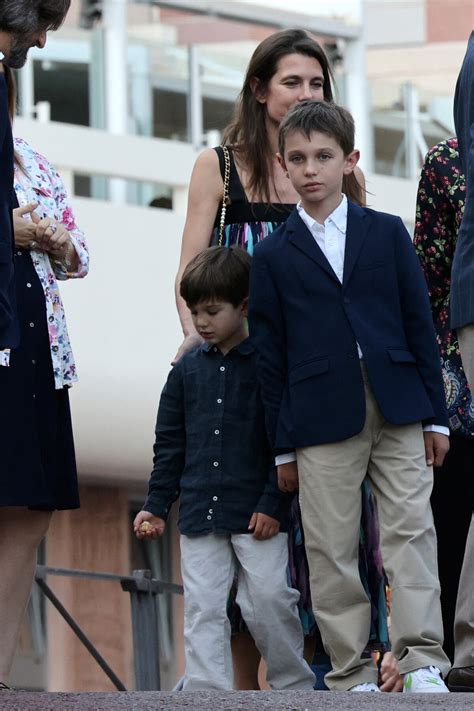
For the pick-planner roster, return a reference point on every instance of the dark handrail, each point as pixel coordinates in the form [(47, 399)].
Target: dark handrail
[(80, 634), (160, 585), (144, 591)]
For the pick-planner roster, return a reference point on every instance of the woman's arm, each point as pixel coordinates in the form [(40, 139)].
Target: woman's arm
[(64, 242), (205, 197)]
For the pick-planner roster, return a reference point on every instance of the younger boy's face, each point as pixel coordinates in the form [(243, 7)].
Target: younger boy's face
[(316, 167), (220, 322)]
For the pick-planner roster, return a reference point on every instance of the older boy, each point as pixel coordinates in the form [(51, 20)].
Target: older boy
[(349, 369), (211, 449)]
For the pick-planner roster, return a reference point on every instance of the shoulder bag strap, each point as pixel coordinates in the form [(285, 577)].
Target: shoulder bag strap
[(225, 194)]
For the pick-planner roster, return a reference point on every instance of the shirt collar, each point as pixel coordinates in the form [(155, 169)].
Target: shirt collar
[(338, 217), (245, 347)]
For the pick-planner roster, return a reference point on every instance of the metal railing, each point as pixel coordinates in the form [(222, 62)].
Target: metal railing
[(144, 599)]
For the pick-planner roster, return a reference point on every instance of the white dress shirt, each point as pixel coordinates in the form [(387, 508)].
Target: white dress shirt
[(331, 238)]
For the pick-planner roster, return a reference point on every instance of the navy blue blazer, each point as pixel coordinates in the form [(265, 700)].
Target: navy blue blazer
[(9, 334), (462, 275), (306, 325)]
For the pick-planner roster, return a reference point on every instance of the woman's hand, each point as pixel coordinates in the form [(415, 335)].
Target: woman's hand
[(193, 340), (24, 230), (52, 236)]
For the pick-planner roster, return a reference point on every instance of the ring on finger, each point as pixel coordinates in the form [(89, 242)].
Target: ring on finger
[(33, 244), (53, 227)]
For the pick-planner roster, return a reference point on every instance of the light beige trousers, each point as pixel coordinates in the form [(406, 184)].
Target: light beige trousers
[(267, 603), (464, 621), (330, 477)]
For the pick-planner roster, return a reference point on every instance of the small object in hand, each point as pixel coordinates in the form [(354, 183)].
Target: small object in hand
[(145, 526), (33, 244)]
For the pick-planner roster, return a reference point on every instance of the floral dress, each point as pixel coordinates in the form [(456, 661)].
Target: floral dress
[(245, 225), (439, 211)]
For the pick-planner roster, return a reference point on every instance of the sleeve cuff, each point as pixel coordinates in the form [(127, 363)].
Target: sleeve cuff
[(5, 357), (437, 428), (285, 458), (157, 509), (274, 506)]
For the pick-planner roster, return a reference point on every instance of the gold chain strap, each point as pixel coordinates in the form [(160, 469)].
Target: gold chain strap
[(225, 195)]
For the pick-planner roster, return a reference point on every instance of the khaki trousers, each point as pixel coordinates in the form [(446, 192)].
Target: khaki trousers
[(464, 622), (330, 477)]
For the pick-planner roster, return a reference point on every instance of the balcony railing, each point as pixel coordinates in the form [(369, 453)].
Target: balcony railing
[(145, 594)]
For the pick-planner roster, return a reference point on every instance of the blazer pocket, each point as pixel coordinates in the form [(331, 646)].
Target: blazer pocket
[(308, 370), (371, 265), (398, 355)]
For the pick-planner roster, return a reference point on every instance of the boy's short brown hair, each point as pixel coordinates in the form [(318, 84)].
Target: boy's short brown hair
[(322, 116), (217, 273)]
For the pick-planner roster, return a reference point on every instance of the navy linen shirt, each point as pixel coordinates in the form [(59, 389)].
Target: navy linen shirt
[(211, 446)]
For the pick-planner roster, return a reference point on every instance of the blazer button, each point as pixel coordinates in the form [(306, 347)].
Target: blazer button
[(351, 355)]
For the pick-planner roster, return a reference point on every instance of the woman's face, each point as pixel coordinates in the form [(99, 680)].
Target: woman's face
[(297, 78)]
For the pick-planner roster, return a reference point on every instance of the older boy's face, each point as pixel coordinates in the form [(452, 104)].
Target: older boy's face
[(220, 323), (316, 167)]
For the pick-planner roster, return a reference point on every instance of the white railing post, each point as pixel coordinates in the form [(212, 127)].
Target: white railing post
[(357, 89), (27, 90), (195, 119), (115, 85)]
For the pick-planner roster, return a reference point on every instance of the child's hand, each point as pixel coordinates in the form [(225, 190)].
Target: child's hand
[(147, 526), (288, 476), (390, 673), (263, 526), (436, 448)]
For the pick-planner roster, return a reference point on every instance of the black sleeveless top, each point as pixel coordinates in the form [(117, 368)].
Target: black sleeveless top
[(246, 223)]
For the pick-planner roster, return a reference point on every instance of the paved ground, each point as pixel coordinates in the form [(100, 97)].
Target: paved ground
[(234, 701)]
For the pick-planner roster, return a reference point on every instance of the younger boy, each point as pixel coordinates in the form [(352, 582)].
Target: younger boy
[(211, 450), (350, 371)]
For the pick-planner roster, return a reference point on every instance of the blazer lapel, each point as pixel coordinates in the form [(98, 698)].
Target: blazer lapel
[(300, 236), (357, 228)]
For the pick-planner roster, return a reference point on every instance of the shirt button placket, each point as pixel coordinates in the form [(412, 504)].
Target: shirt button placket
[(218, 436)]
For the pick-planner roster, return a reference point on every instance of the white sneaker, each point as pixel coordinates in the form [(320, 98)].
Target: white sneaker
[(426, 680), (365, 687)]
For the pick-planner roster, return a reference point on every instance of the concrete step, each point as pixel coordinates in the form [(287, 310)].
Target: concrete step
[(232, 701)]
